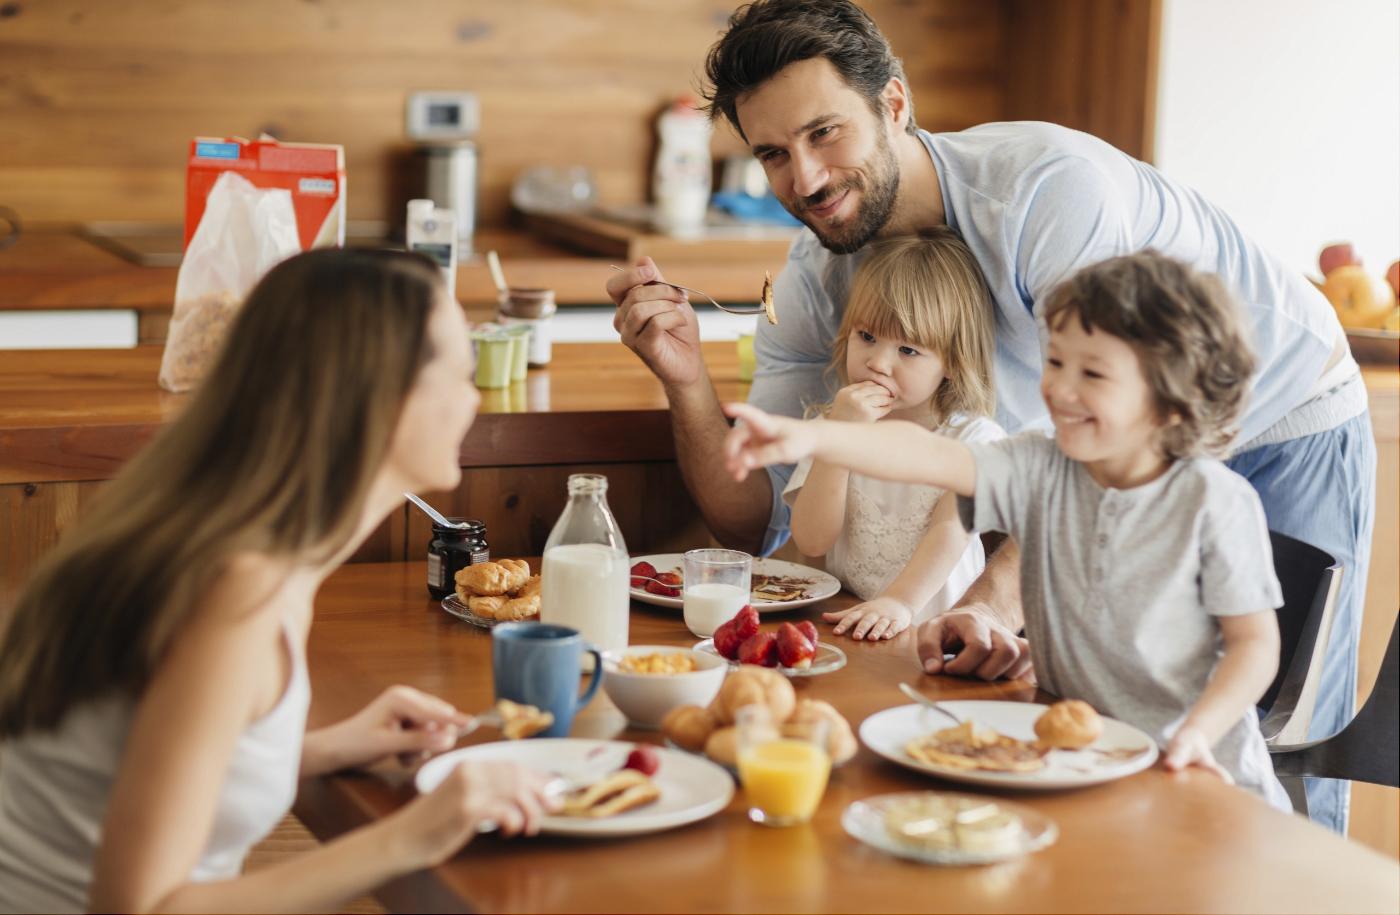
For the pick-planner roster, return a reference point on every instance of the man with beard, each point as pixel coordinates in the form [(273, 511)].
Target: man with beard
[(816, 92)]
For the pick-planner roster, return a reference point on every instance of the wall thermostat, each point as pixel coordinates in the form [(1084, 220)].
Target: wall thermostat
[(441, 115)]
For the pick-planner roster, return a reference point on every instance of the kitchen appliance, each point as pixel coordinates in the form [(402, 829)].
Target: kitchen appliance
[(444, 124), (449, 181)]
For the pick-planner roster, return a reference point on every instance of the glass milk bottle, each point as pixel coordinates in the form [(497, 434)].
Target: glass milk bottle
[(584, 581)]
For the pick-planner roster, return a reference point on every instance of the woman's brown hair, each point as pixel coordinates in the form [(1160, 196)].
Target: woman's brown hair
[(927, 289), (273, 454), (1188, 335)]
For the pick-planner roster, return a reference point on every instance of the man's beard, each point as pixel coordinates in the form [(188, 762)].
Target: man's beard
[(876, 202)]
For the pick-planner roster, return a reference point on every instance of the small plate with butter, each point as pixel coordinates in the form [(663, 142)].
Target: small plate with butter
[(940, 827)]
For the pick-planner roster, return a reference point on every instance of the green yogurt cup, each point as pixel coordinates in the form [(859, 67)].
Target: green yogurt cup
[(519, 349), (746, 356), (494, 351)]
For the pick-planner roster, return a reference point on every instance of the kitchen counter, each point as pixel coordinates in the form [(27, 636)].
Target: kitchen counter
[(80, 414), (62, 270)]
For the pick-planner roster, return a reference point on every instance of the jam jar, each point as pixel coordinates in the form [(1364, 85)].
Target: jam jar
[(454, 548)]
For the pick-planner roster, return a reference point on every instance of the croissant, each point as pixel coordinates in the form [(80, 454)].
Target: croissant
[(531, 588), (485, 579), (488, 607), (518, 572), (518, 608)]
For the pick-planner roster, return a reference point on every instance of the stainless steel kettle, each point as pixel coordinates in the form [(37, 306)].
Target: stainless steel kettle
[(450, 177)]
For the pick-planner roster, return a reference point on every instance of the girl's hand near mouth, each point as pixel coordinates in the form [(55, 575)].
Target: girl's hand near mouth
[(862, 402)]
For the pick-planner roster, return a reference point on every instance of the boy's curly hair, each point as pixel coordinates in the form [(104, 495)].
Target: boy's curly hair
[(1188, 335)]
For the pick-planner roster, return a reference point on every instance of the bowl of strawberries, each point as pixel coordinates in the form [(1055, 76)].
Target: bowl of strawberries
[(792, 649)]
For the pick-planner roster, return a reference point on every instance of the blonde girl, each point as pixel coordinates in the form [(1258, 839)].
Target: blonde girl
[(915, 344), (154, 693)]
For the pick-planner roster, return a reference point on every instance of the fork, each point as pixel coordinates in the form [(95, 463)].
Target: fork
[(732, 309), (928, 703)]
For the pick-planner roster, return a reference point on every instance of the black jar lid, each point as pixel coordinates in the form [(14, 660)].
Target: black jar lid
[(468, 528)]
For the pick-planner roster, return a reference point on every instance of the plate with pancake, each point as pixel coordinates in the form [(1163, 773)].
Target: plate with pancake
[(776, 584), (996, 745), (687, 787)]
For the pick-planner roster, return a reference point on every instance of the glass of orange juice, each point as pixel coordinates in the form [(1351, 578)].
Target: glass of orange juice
[(783, 771)]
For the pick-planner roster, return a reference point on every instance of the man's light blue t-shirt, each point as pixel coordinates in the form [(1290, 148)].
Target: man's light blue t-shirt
[(1036, 202)]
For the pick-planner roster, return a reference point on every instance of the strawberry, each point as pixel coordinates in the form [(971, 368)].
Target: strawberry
[(727, 640), (793, 648), (667, 584), (760, 648), (809, 629), (643, 759), (746, 622), (641, 572)]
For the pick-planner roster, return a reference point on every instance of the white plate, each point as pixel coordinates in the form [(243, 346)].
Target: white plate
[(889, 731), (827, 659), (865, 820), (692, 787), (455, 606), (823, 585)]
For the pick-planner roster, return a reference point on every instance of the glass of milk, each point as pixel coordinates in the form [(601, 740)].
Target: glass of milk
[(717, 585)]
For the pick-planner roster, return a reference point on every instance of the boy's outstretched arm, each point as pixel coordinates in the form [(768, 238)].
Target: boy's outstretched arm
[(893, 450)]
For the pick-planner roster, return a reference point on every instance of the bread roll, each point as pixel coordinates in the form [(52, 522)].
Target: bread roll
[(754, 686), (688, 727), (840, 741), (723, 746), (1069, 725)]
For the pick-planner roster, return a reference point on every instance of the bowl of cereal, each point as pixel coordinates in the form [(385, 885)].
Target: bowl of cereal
[(647, 681)]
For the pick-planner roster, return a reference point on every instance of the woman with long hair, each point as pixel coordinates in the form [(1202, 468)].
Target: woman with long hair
[(153, 689)]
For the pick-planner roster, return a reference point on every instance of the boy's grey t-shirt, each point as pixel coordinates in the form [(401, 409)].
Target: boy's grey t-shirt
[(1121, 587)]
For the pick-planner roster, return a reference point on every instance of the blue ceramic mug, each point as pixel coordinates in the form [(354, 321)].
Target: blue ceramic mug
[(539, 664)]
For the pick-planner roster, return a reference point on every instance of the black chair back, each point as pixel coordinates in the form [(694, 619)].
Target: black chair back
[(1367, 749), (1307, 576)]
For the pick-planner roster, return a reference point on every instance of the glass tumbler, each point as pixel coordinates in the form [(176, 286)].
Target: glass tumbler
[(783, 769), (716, 587)]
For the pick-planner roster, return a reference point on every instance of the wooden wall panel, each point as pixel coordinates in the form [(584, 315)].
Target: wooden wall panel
[(32, 518), (1087, 64), (99, 98), (518, 504)]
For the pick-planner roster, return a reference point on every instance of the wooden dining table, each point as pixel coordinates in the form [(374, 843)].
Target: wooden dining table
[(1151, 842)]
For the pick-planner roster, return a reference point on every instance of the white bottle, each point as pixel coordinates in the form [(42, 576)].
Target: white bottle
[(433, 231), (681, 178), (584, 574)]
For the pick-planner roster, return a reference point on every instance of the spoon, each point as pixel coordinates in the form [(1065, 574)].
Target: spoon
[(732, 309), (432, 512), (926, 702), (498, 276)]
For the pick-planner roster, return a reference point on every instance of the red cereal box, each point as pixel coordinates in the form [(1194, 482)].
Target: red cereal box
[(314, 174)]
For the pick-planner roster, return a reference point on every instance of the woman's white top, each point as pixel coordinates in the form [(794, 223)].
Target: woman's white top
[(54, 788), (886, 521)]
